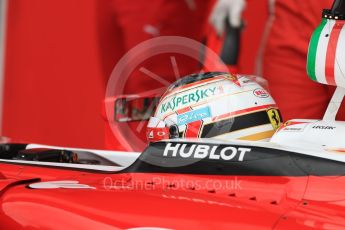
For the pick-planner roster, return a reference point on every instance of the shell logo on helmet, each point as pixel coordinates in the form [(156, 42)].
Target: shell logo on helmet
[(262, 93)]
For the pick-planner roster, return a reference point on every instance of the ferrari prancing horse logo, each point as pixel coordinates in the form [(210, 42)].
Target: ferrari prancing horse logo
[(274, 116)]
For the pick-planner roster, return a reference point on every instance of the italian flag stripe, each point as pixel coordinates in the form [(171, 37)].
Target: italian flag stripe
[(331, 52), (326, 57), (313, 50), (339, 71)]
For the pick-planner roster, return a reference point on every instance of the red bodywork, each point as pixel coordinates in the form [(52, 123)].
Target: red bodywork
[(173, 201)]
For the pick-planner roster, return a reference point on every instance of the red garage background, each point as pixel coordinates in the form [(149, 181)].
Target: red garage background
[(56, 68)]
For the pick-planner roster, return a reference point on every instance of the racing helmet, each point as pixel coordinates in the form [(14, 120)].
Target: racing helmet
[(215, 105)]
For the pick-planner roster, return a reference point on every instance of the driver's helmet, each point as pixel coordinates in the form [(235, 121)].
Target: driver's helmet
[(215, 105)]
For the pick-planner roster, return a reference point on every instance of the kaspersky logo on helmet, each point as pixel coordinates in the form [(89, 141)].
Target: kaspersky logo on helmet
[(195, 96)]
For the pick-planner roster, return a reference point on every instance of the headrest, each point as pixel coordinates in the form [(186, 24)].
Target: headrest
[(326, 54)]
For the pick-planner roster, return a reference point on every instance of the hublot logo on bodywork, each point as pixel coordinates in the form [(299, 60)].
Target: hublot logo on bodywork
[(197, 151)]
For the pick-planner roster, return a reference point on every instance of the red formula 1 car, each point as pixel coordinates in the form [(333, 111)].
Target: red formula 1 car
[(172, 185), (295, 181)]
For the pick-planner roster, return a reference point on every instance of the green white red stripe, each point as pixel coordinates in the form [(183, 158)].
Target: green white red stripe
[(326, 56)]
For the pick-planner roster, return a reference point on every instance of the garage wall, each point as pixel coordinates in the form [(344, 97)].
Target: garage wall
[(54, 85), (54, 74), (3, 19)]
